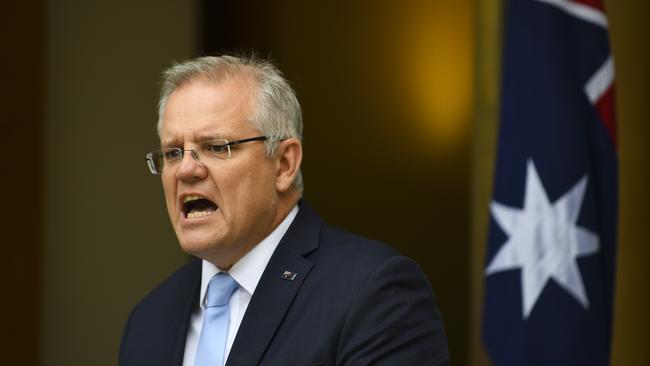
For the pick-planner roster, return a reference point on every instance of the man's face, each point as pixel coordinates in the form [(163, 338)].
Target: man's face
[(241, 202)]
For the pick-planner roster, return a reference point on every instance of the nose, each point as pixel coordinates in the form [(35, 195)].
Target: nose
[(191, 167)]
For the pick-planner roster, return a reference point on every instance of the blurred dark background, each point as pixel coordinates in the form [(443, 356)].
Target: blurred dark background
[(399, 101)]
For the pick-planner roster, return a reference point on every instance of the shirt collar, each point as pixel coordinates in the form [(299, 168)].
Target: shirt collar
[(248, 270)]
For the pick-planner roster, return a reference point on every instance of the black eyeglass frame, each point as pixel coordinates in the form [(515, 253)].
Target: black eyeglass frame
[(149, 158)]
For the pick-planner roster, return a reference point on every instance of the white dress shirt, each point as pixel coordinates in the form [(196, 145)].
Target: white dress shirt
[(247, 271)]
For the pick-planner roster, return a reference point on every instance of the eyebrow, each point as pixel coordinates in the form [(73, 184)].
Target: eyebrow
[(175, 142), (204, 138), (170, 143)]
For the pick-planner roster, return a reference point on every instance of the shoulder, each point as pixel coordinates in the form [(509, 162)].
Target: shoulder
[(182, 281), (347, 250), (347, 266), (386, 300), (328, 247), (155, 323), (331, 235), (172, 298), (391, 306)]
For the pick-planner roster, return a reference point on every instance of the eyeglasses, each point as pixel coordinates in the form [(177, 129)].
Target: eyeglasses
[(217, 148)]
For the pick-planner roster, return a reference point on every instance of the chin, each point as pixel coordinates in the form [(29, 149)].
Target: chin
[(199, 247)]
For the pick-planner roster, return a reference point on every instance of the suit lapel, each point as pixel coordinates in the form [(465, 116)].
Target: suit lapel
[(275, 292)]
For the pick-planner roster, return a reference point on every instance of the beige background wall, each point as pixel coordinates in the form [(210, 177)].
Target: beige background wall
[(106, 235), (629, 32)]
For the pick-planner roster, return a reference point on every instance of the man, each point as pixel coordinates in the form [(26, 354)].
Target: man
[(272, 283)]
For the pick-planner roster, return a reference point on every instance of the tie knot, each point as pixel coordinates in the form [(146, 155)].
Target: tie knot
[(220, 289)]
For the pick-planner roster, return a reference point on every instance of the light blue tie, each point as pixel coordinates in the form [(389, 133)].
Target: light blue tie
[(212, 342)]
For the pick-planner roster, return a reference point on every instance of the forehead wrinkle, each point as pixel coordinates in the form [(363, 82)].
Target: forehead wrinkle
[(247, 87), (214, 119)]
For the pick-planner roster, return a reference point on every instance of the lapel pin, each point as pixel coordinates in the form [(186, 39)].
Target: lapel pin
[(289, 276)]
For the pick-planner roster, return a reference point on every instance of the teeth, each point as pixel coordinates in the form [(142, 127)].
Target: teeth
[(191, 198), (193, 215)]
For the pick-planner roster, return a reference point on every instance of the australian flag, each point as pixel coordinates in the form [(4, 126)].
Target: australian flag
[(551, 252)]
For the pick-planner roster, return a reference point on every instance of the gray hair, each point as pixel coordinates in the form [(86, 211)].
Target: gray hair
[(277, 112)]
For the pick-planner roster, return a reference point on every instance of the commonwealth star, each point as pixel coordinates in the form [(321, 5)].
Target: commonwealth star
[(544, 240)]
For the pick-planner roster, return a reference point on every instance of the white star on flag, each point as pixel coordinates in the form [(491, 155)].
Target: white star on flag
[(544, 240)]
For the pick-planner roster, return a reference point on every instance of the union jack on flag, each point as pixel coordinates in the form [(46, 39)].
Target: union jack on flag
[(549, 274)]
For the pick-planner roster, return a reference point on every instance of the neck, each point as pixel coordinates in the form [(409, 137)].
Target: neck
[(286, 202)]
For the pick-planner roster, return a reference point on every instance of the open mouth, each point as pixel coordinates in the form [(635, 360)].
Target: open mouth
[(197, 206)]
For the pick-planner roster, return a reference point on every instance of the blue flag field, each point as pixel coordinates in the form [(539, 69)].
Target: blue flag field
[(550, 265)]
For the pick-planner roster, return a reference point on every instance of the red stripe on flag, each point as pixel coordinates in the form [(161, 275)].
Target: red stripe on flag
[(596, 4), (607, 111)]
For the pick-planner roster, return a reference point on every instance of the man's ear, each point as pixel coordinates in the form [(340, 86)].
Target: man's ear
[(288, 160)]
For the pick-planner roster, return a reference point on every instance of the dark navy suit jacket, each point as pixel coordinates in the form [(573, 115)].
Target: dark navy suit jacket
[(352, 302)]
